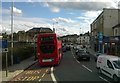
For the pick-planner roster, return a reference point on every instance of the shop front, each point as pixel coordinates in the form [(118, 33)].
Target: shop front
[(112, 45)]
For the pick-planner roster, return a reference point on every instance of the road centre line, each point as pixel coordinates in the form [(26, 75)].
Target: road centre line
[(104, 79), (90, 69), (52, 75), (87, 68), (82, 65)]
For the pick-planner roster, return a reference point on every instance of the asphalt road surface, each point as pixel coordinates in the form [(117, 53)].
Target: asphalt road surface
[(70, 69), (34, 74)]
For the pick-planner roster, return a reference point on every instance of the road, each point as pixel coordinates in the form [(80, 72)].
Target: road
[(34, 73), (70, 69)]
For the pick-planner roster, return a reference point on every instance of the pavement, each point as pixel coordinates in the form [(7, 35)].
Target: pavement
[(91, 51), (16, 69)]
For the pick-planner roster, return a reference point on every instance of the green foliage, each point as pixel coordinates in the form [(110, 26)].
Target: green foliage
[(21, 51)]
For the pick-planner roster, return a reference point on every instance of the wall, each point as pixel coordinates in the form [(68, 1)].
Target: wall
[(110, 20)]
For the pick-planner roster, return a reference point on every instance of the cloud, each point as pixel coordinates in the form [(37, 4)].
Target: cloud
[(24, 23), (0, 28), (55, 9), (5, 11), (16, 11), (86, 19), (89, 16), (119, 4), (64, 20), (88, 6), (71, 13)]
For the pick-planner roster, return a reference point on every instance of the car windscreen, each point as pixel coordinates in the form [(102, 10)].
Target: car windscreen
[(116, 64)]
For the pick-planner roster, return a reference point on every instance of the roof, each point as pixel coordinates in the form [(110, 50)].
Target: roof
[(40, 30)]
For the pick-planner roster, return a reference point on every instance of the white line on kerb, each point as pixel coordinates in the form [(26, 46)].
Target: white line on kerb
[(104, 79), (87, 68), (52, 75)]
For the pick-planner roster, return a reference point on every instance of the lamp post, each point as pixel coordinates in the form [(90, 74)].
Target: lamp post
[(12, 32), (54, 29)]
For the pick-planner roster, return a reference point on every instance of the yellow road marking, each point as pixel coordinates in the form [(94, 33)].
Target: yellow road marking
[(24, 78)]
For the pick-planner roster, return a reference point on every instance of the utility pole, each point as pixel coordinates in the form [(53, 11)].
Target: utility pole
[(12, 32)]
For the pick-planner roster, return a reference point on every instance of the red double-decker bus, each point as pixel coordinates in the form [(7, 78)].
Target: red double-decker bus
[(49, 49)]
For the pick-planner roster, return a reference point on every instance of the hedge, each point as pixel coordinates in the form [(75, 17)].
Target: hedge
[(21, 51)]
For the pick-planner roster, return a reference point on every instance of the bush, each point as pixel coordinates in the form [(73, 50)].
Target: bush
[(21, 51)]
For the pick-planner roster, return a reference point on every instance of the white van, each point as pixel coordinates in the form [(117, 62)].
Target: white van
[(110, 66)]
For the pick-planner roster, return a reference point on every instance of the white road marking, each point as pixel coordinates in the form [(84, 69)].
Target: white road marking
[(77, 61), (87, 68), (43, 75), (104, 79), (75, 58), (39, 80), (46, 70), (52, 75), (38, 71)]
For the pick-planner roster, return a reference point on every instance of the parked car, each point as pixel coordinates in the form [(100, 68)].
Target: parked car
[(96, 56), (79, 51), (109, 65), (68, 47), (81, 55)]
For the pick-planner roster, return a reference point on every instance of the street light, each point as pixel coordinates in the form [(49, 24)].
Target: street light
[(54, 29), (12, 4)]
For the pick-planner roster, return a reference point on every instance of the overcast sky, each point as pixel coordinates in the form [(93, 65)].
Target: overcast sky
[(72, 16)]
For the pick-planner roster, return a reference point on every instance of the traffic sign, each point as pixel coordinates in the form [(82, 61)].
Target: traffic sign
[(100, 36), (4, 45)]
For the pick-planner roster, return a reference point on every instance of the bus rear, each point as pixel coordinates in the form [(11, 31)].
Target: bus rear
[(48, 49)]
